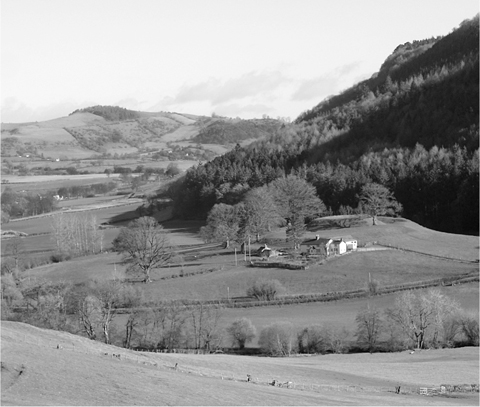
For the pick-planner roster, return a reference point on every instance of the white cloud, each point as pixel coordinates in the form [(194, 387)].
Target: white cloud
[(214, 90), (15, 111), (326, 84), (243, 110)]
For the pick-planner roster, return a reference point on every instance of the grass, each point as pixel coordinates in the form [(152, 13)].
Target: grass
[(408, 235), (336, 314), (81, 374), (349, 272)]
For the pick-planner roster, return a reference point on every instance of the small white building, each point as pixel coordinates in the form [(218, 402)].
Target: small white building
[(338, 246), (350, 242)]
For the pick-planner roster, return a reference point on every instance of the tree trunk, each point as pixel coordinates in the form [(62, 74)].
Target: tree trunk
[(374, 220), (106, 333), (89, 330), (128, 334), (147, 275)]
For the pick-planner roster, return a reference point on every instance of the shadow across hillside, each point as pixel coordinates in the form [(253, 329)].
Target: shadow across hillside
[(183, 226), (344, 222)]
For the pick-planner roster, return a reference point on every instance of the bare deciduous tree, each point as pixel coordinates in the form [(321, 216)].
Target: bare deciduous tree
[(204, 320), (77, 234), (278, 339), (296, 200), (144, 245), (421, 315), (369, 325), (223, 224), (258, 213), (377, 200)]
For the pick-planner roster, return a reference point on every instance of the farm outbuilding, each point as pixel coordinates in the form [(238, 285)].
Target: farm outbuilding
[(265, 251), (329, 246), (349, 240), (319, 246)]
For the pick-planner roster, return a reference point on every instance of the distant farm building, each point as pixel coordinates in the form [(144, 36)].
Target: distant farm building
[(328, 246), (351, 242), (265, 251)]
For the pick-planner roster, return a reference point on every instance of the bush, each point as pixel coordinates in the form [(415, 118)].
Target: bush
[(312, 340), (59, 257), (372, 286), (278, 339), (241, 331), (265, 290), (469, 323), (336, 339)]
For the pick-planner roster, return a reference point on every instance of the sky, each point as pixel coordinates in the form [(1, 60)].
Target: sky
[(235, 58)]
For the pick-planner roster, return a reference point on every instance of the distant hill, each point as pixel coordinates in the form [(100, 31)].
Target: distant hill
[(110, 130), (228, 131), (98, 131)]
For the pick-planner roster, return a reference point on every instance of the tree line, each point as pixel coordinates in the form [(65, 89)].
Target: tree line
[(416, 319), (437, 188), (110, 113)]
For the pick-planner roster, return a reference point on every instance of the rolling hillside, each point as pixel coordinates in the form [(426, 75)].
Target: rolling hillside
[(84, 372), (86, 133), (102, 131)]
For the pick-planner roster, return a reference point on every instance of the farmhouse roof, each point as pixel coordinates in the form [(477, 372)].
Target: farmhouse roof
[(261, 249), (317, 241), (346, 238)]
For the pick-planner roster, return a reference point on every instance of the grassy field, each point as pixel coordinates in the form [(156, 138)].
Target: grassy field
[(348, 272), (335, 314), (39, 228), (82, 372), (400, 232)]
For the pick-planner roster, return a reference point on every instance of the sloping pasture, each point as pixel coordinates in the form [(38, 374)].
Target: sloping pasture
[(403, 233), (333, 314), (349, 272), (83, 372), (222, 278)]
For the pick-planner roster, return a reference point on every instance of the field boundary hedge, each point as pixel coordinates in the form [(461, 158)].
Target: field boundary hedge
[(321, 297), (340, 295), (280, 265)]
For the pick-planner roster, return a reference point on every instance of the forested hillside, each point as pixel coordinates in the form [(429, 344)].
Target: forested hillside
[(413, 127), (228, 131)]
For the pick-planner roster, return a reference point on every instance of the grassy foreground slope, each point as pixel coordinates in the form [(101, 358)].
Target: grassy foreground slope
[(82, 372)]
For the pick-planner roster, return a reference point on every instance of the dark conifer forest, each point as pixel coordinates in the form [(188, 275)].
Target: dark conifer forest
[(110, 113), (412, 127)]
